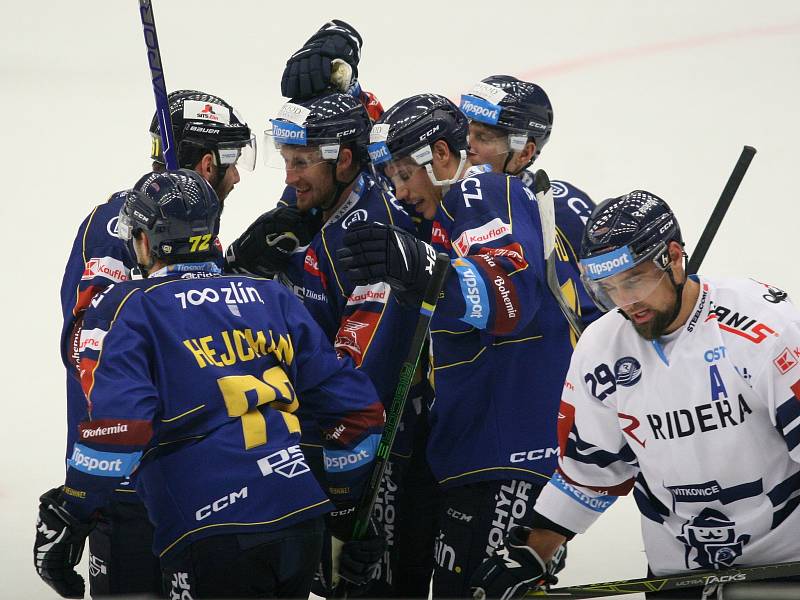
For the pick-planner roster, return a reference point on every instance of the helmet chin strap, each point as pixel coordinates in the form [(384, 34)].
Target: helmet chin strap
[(338, 187), (446, 183)]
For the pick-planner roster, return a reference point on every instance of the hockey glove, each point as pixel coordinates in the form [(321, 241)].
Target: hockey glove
[(265, 247), (312, 69), (375, 252), (513, 570), (355, 561), (60, 538)]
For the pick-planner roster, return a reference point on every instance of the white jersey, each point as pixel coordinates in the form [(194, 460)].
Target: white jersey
[(705, 427)]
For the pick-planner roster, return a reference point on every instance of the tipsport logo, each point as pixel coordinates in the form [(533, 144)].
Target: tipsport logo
[(480, 110), (379, 153), (104, 464), (608, 264), (288, 133)]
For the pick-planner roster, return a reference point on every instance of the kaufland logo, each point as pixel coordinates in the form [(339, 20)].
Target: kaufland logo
[(107, 267), (608, 264), (378, 292), (493, 230), (92, 338)]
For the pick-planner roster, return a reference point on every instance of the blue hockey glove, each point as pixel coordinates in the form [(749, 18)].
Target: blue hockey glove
[(513, 570), (265, 247), (308, 71), (60, 538), (374, 252)]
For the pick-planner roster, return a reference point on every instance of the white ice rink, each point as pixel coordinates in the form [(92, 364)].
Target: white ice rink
[(654, 94)]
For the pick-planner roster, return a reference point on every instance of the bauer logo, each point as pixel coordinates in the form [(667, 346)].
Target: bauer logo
[(347, 460), (105, 464), (379, 153), (608, 264), (288, 133), (480, 109)]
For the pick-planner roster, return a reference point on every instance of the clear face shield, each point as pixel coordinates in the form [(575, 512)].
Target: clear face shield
[(487, 142), (617, 279), (286, 149), (398, 170), (242, 156)]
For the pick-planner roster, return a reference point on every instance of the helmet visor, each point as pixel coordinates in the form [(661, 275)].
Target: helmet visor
[(288, 152), (243, 155), (486, 141), (616, 279)]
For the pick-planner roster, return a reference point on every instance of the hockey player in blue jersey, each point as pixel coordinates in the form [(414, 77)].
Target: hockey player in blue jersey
[(510, 122), (499, 342), (192, 381), (321, 145), (684, 394), (213, 139)]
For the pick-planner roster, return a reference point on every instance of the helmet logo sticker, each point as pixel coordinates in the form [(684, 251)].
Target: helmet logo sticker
[(294, 113), (489, 92), (196, 110), (480, 109)]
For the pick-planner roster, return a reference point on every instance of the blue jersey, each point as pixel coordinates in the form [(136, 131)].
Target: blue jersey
[(500, 345), (366, 325), (196, 378)]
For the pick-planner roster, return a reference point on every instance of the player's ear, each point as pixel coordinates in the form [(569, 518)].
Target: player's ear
[(675, 255), (441, 152), (344, 163), (527, 153), (205, 166)]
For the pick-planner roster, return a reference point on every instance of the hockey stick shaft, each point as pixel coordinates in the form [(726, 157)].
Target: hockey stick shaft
[(725, 199), (672, 582), (547, 217), (159, 85), (409, 366)]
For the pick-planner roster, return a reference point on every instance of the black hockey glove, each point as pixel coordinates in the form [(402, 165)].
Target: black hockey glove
[(308, 71), (513, 570), (60, 538), (375, 252), (265, 247), (355, 561)]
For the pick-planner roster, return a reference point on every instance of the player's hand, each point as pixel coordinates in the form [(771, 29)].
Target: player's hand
[(60, 538), (265, 247), (354, 561), (310, 70), (511, 571), (374, 252)]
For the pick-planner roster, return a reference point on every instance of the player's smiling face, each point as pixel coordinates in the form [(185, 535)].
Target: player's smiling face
[(413, 186), (311, 178)]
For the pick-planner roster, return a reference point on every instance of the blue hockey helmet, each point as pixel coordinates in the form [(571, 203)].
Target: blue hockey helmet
[(411, 127), (203, 123), (178, 211), (623, 233), (321, 125), (519, 107)]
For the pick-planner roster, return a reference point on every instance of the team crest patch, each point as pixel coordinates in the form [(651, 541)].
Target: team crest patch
[(627, 371)]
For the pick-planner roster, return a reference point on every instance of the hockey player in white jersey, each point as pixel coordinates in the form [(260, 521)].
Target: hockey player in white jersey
[(686, 392)]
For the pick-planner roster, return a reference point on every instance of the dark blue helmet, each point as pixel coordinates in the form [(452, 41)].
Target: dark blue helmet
[(622, 233), (417, 122), (203, 123), (512, 104), (326, 121), (178, 211)]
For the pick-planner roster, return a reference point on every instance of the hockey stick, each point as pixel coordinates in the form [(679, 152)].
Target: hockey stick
[(715, 220), (547, 215), (159, 85), (428, 305), (672, 582)]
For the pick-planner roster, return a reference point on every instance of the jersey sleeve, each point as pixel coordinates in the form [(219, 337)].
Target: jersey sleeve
[(778, 380), (342, 400), (497, 278), (122, 402), (596, 465)]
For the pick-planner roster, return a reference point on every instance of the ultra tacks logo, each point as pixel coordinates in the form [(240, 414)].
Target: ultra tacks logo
[(474, 291), (104, 464), (347, 460), (608, 264), (480, 109)]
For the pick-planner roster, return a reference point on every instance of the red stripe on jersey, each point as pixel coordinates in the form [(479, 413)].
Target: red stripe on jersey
[(119, 432), (352, 426)]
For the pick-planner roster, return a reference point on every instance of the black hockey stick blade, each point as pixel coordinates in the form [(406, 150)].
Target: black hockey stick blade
[(428, 305), (725, 199), (672, 582)]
